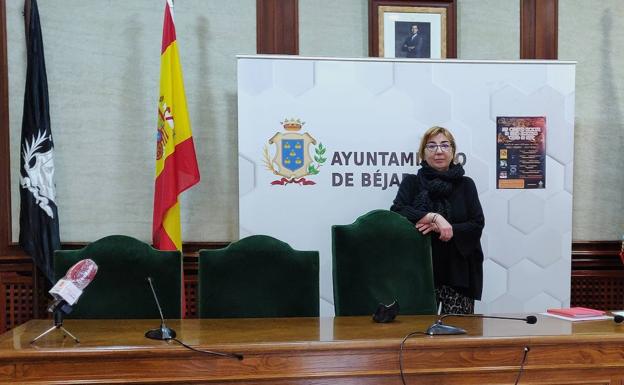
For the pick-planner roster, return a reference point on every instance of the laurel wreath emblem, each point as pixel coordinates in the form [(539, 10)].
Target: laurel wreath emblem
[(319, 157), (267, 160)]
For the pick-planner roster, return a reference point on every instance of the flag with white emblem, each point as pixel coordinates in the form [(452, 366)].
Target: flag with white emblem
[(39, 222)]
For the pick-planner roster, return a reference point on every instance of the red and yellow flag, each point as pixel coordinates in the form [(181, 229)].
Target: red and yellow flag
[(176, 163)]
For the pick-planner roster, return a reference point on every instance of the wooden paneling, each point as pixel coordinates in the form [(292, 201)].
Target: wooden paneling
[(5, 167), (18, 297), (342, 350), (191, 269), (538, 29), (597, 275), (277, 27)]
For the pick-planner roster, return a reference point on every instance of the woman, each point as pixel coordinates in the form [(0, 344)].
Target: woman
[(442, 201)]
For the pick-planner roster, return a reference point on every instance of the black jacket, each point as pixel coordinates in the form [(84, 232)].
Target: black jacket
[(458, 262), (416, 46)]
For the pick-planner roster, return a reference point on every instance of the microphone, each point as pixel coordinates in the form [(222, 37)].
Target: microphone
[(167, 334), (438, 328), (69, 288), (618, 319), (66, 293), (162, 333)]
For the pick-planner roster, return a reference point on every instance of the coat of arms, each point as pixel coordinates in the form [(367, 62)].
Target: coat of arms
[(164, 131), (292, 158)]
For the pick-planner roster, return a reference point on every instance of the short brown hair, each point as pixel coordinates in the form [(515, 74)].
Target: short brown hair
[(431, 132)]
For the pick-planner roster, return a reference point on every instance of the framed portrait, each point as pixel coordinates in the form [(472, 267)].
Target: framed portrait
[(413, 29)]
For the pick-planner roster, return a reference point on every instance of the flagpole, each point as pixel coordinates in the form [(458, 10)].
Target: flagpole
[(176, 161)]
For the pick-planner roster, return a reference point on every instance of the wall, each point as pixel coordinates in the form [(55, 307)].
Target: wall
[(592, 33), (333, 28), (496, 39), (103, 63), (104, 117)]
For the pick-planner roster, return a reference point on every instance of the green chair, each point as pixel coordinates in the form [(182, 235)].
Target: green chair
[(258, 276), (381, 258), (120, 288)]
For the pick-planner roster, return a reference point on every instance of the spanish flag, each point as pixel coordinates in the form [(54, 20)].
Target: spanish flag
[(176, 163)]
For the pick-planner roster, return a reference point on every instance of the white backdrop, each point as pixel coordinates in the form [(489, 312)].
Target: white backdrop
[(364, 119)]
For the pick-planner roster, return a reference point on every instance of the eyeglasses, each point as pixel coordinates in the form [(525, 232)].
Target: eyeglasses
[(444, 147)]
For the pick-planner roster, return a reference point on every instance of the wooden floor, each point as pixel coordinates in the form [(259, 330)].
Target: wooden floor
[(342, 350)]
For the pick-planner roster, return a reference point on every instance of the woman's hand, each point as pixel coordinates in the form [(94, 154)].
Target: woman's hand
[(444, 228), (426, 228), (433, 222), (425, 224)]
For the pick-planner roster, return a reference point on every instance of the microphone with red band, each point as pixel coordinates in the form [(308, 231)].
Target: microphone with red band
[(66, 293), (439, 328), (69, 288)]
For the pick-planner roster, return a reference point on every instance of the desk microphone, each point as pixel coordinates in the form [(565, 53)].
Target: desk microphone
[(162, 333), (66, 293), (167, 334), (438, 328)]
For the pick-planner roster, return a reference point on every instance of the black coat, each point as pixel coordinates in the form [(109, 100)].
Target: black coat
[(459, 262)]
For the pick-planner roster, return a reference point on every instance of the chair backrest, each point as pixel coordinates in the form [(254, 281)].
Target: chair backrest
[(120, 288), (381, 258), (258, 276)]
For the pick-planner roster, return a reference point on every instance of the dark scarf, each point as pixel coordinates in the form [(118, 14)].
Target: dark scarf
[(436, 188)]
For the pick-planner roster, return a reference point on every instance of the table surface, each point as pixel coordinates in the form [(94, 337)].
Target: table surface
[(336, 350), (293, 333)]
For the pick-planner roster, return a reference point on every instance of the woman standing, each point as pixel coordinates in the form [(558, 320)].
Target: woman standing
[(442, 201)]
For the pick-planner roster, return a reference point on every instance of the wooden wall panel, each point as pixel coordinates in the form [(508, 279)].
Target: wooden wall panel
[(277, 27), (5, 168), (597, 275), (538, 29)]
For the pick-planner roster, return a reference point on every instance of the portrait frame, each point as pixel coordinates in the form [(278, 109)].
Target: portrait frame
[(391, 23)]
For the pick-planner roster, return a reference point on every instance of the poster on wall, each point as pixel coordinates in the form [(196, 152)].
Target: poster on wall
[(521, 152)]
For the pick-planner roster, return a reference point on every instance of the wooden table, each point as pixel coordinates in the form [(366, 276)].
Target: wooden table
[(343, 350)]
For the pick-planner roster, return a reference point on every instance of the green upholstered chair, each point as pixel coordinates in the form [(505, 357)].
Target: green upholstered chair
[(120, 288), (258, 276), (378, 259)]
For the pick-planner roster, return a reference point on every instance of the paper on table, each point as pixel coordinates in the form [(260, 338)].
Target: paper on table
[(592, 318), (619, 312)]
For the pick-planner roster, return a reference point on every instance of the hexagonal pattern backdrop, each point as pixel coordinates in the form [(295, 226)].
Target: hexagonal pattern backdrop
[(355, 124)]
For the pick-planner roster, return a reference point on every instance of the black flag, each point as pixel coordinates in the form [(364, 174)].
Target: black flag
[(39, 224)]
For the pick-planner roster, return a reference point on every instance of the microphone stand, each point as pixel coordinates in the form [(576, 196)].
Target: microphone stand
[(59, 309), (439, 328), (163, 333), (167, 334)]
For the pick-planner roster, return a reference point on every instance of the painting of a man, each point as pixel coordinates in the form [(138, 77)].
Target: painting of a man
[(413, 40)]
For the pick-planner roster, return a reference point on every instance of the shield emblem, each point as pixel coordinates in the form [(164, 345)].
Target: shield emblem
[(292, 157), (292, 154)]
